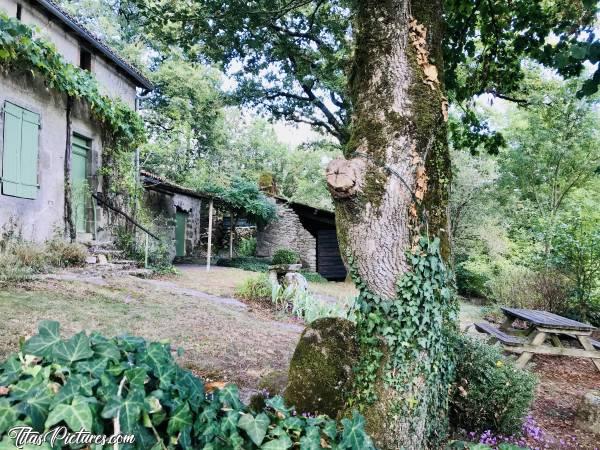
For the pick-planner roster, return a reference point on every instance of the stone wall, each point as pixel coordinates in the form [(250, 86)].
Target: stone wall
[(287, 232)]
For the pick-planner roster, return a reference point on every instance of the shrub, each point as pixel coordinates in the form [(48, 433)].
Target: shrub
[(490, 393), (249, 263), (257, 288), (470, 283), (159, 257), (513, 286), (12, 270), (61, 253), (95, 383), (246, 247), (285, 256)]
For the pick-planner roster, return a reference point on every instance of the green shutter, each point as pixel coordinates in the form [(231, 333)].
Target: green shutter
[(29, 154), (11, 154), (20, 152)]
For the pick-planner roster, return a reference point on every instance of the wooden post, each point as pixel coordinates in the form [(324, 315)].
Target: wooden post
[(538, 339), (231, 227), (146, 253), (209, 247)]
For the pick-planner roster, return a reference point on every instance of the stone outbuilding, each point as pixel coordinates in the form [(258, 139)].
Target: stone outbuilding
[(308, 231), (184, 213)]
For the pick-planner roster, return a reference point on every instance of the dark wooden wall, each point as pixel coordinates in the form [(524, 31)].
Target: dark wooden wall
[(329, 260)]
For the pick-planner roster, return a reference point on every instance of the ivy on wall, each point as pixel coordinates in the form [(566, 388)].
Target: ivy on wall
[(21, 51)]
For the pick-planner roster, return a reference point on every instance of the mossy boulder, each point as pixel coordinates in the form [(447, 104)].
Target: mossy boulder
[(320, 374)]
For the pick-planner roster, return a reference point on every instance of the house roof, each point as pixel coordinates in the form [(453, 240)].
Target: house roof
[(94, 42), (160, 184), (309, 212)]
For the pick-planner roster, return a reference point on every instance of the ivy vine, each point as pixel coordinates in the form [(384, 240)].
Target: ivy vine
[(21, 50), (410, 334)]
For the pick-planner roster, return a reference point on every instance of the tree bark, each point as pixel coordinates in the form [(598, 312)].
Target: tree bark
[(70, 231), (393, 185)]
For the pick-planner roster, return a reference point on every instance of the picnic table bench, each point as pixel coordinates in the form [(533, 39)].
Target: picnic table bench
[(543, 325)]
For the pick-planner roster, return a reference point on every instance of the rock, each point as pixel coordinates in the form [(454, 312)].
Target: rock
[(320, 374), (91, 260), (296, 281), (271, 384), (102, 259), (588, 413)]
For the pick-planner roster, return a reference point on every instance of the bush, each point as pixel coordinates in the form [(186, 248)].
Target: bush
[(249, 263), (490, 393), (513, 286), (285, 256), (246, 247), (12, 270), (159, 257), (470, 283), (257, 288), (95, 383), (65, 254)]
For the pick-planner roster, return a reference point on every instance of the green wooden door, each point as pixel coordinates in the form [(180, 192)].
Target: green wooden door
[(80, 182), (180, 222)]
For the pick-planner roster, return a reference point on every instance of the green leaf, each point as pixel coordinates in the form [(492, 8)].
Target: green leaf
[(354, 435), (312, 439), (10, 370), (136, 376), (94, 367), (255, 427), (77, 415), (108, 350), (181, 418), (229, 396), (36, 406), (74, 349), (8, 415), (42, 344), (282, 443)]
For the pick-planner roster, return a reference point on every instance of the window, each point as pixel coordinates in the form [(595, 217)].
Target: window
[(20, 152), (85, 59), (19, 11)]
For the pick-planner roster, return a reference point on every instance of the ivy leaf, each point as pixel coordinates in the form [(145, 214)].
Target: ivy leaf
[(278, 404), (94, 367), (229, 396), (42, 344), (11, 369), (312, 440), (128, 410), (354, 435), (282, 443), (181, 418), (74, 349), (255, 427), (136, 376), (8, 415), (36, 406), (77, 415)]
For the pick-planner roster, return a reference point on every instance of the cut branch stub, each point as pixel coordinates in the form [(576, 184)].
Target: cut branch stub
[(344, 177)]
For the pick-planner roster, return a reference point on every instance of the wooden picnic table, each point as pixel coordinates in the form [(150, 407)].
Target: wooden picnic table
[(543, 325)]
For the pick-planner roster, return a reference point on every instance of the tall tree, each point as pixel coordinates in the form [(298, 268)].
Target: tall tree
[(291, 56)]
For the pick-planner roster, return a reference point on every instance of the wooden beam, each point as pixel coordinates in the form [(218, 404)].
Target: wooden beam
[(210, 225), (557, 351), (536, 341), (565, 331), (586, 344)]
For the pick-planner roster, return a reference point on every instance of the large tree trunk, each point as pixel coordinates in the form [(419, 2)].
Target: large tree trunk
[(393, 185)]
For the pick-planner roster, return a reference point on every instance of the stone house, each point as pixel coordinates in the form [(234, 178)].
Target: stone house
[(33, 128), (308, 231), (184, 214)]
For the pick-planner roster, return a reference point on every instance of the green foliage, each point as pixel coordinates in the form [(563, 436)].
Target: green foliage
[(257, 288), (246, 247), (159, 257), (285, 256), (252, 264), (490, 393), (21, 51), (576, 252), (419, 321), (91, 382), (61, 253)]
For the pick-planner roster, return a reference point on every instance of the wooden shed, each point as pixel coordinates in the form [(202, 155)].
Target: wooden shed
[(307, 230)]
